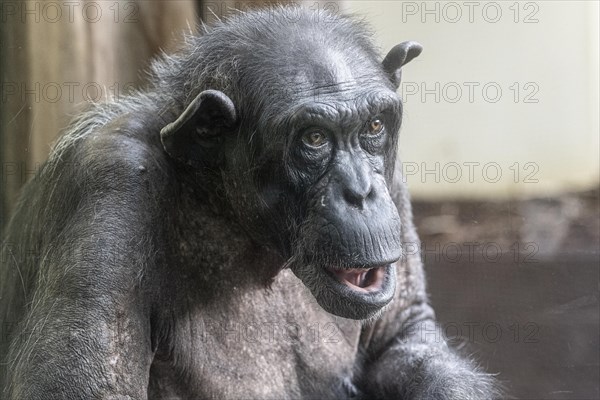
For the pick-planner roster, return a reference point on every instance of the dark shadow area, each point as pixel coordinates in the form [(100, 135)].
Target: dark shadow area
[(516, 284)]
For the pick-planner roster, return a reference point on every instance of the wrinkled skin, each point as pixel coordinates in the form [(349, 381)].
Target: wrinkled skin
[(236, 231)]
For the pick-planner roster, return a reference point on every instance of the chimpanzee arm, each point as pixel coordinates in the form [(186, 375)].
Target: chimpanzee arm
[(418, 364), (86, 331), (407, 355)]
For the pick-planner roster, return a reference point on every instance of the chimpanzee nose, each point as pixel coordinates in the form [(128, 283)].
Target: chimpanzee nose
[(355, 177), (356, 193)]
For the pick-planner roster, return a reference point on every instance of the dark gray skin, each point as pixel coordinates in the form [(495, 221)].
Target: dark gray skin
[(234, 231)]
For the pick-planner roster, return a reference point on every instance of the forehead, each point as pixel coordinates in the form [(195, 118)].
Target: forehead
[(331, 70), (330, 67), (331, 81)]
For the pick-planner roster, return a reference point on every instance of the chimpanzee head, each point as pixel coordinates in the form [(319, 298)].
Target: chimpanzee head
[(298, 118)]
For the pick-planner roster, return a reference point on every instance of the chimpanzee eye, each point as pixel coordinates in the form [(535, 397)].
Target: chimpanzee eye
[(314, 138), (375, 127)]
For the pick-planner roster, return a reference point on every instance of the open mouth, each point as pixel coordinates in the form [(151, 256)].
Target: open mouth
[(361, 279), (356, 291)]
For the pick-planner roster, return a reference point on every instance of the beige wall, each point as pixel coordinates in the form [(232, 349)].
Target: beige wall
[(551, 129)]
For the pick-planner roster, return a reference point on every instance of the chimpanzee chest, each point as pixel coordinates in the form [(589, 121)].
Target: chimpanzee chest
[(254, 349)]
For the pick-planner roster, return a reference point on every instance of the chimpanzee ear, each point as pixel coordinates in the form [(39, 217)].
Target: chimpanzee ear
[(398, 56), (194, 138)]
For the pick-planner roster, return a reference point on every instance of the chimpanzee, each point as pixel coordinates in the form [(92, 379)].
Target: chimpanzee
[(235, 230)]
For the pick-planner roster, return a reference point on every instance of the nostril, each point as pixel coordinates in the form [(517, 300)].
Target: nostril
[(371, 194), (352, 198), (357, 197)]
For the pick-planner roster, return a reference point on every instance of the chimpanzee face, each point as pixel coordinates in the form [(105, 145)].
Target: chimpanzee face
[(326, 185)]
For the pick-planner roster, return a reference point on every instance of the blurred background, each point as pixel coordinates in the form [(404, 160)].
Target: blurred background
[(500, 149)]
